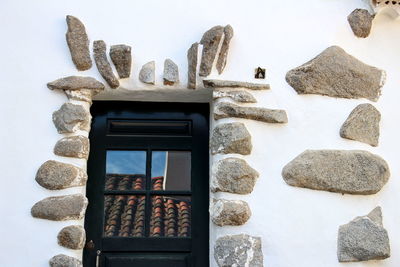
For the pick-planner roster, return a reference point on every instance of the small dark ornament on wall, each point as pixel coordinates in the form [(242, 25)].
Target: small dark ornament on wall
[(259, 73)]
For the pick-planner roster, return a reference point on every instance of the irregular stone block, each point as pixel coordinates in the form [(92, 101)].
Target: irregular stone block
[(342, 171), (233, 175), (122, 58), (223, 53), (230, 212), (337, 74), (72, 237), (226, 110), (70, 118), (171, 73), (231, 138), (363, 239), (210, 42), (238, 250), (73, 146), (234, 84), (192, 65), (62, 260), (147, 73), (78, 43), (362, 125), (76, 83), (55, 175), (360, 21), (61, 208), (237, 95), (104, 67)]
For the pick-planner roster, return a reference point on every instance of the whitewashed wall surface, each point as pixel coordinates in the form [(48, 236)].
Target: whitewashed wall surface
[(298, 227)]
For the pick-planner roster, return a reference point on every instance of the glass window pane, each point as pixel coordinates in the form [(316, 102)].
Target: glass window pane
[(125, 170), (170, 216), (171, 170), (124, 216)]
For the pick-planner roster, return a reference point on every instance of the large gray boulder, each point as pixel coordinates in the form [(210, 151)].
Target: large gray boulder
[(233, 175), (103, 66), (73, 146), (210, 41), (70, 118), (72, 237), (61, 208), (56, 175), (342, 171), (338, 74), (230, 212), (363, 239), (238, 250), (78, 43), (360, 21), (231, 138), (362, 125), (62, 260)]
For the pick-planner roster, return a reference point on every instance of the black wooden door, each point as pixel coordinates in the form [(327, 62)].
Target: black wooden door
[(148, 186)]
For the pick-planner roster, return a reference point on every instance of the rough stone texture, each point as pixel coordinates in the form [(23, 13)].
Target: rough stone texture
[(231, 138), (104, 67), (342, 171), (226, 110), (337, 74), (233, 175), (76, 83), (171, 73), (122, 58), (70, 118), (61, 208), (363, 239), (230, 212), (73, 146), (234, 84), (241, 96), (55, 175), (238, 250), (223, 53), (72, 237), (362, 125), (360, 21), (192, 65), (78, 43), (210, 41), (62, 260), (147, 73)]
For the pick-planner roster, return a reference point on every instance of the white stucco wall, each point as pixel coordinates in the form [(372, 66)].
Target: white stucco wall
[(298, 226)]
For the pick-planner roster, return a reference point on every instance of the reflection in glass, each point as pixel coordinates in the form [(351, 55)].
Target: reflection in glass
[(124, 216), (171, 170), (170, 216), (126, 162), (125, 182)]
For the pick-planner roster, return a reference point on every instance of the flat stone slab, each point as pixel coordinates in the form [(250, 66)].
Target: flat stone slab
[(223, 53), (230, 212), (360, 21), (76, 83), (171, 72), (104, 67), (72, 237), (192, 65), (238, 250), (70, 118), (337, 74), (233, 175), (210, 41), (62, 260), (122, 58), (78, 43), (54, 175), (147, 73), (231, 138), (363, 239), (234, 84), (342, 171), (61, 208), (241, 96), (228, 110), (362, 125), (73, 146)]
